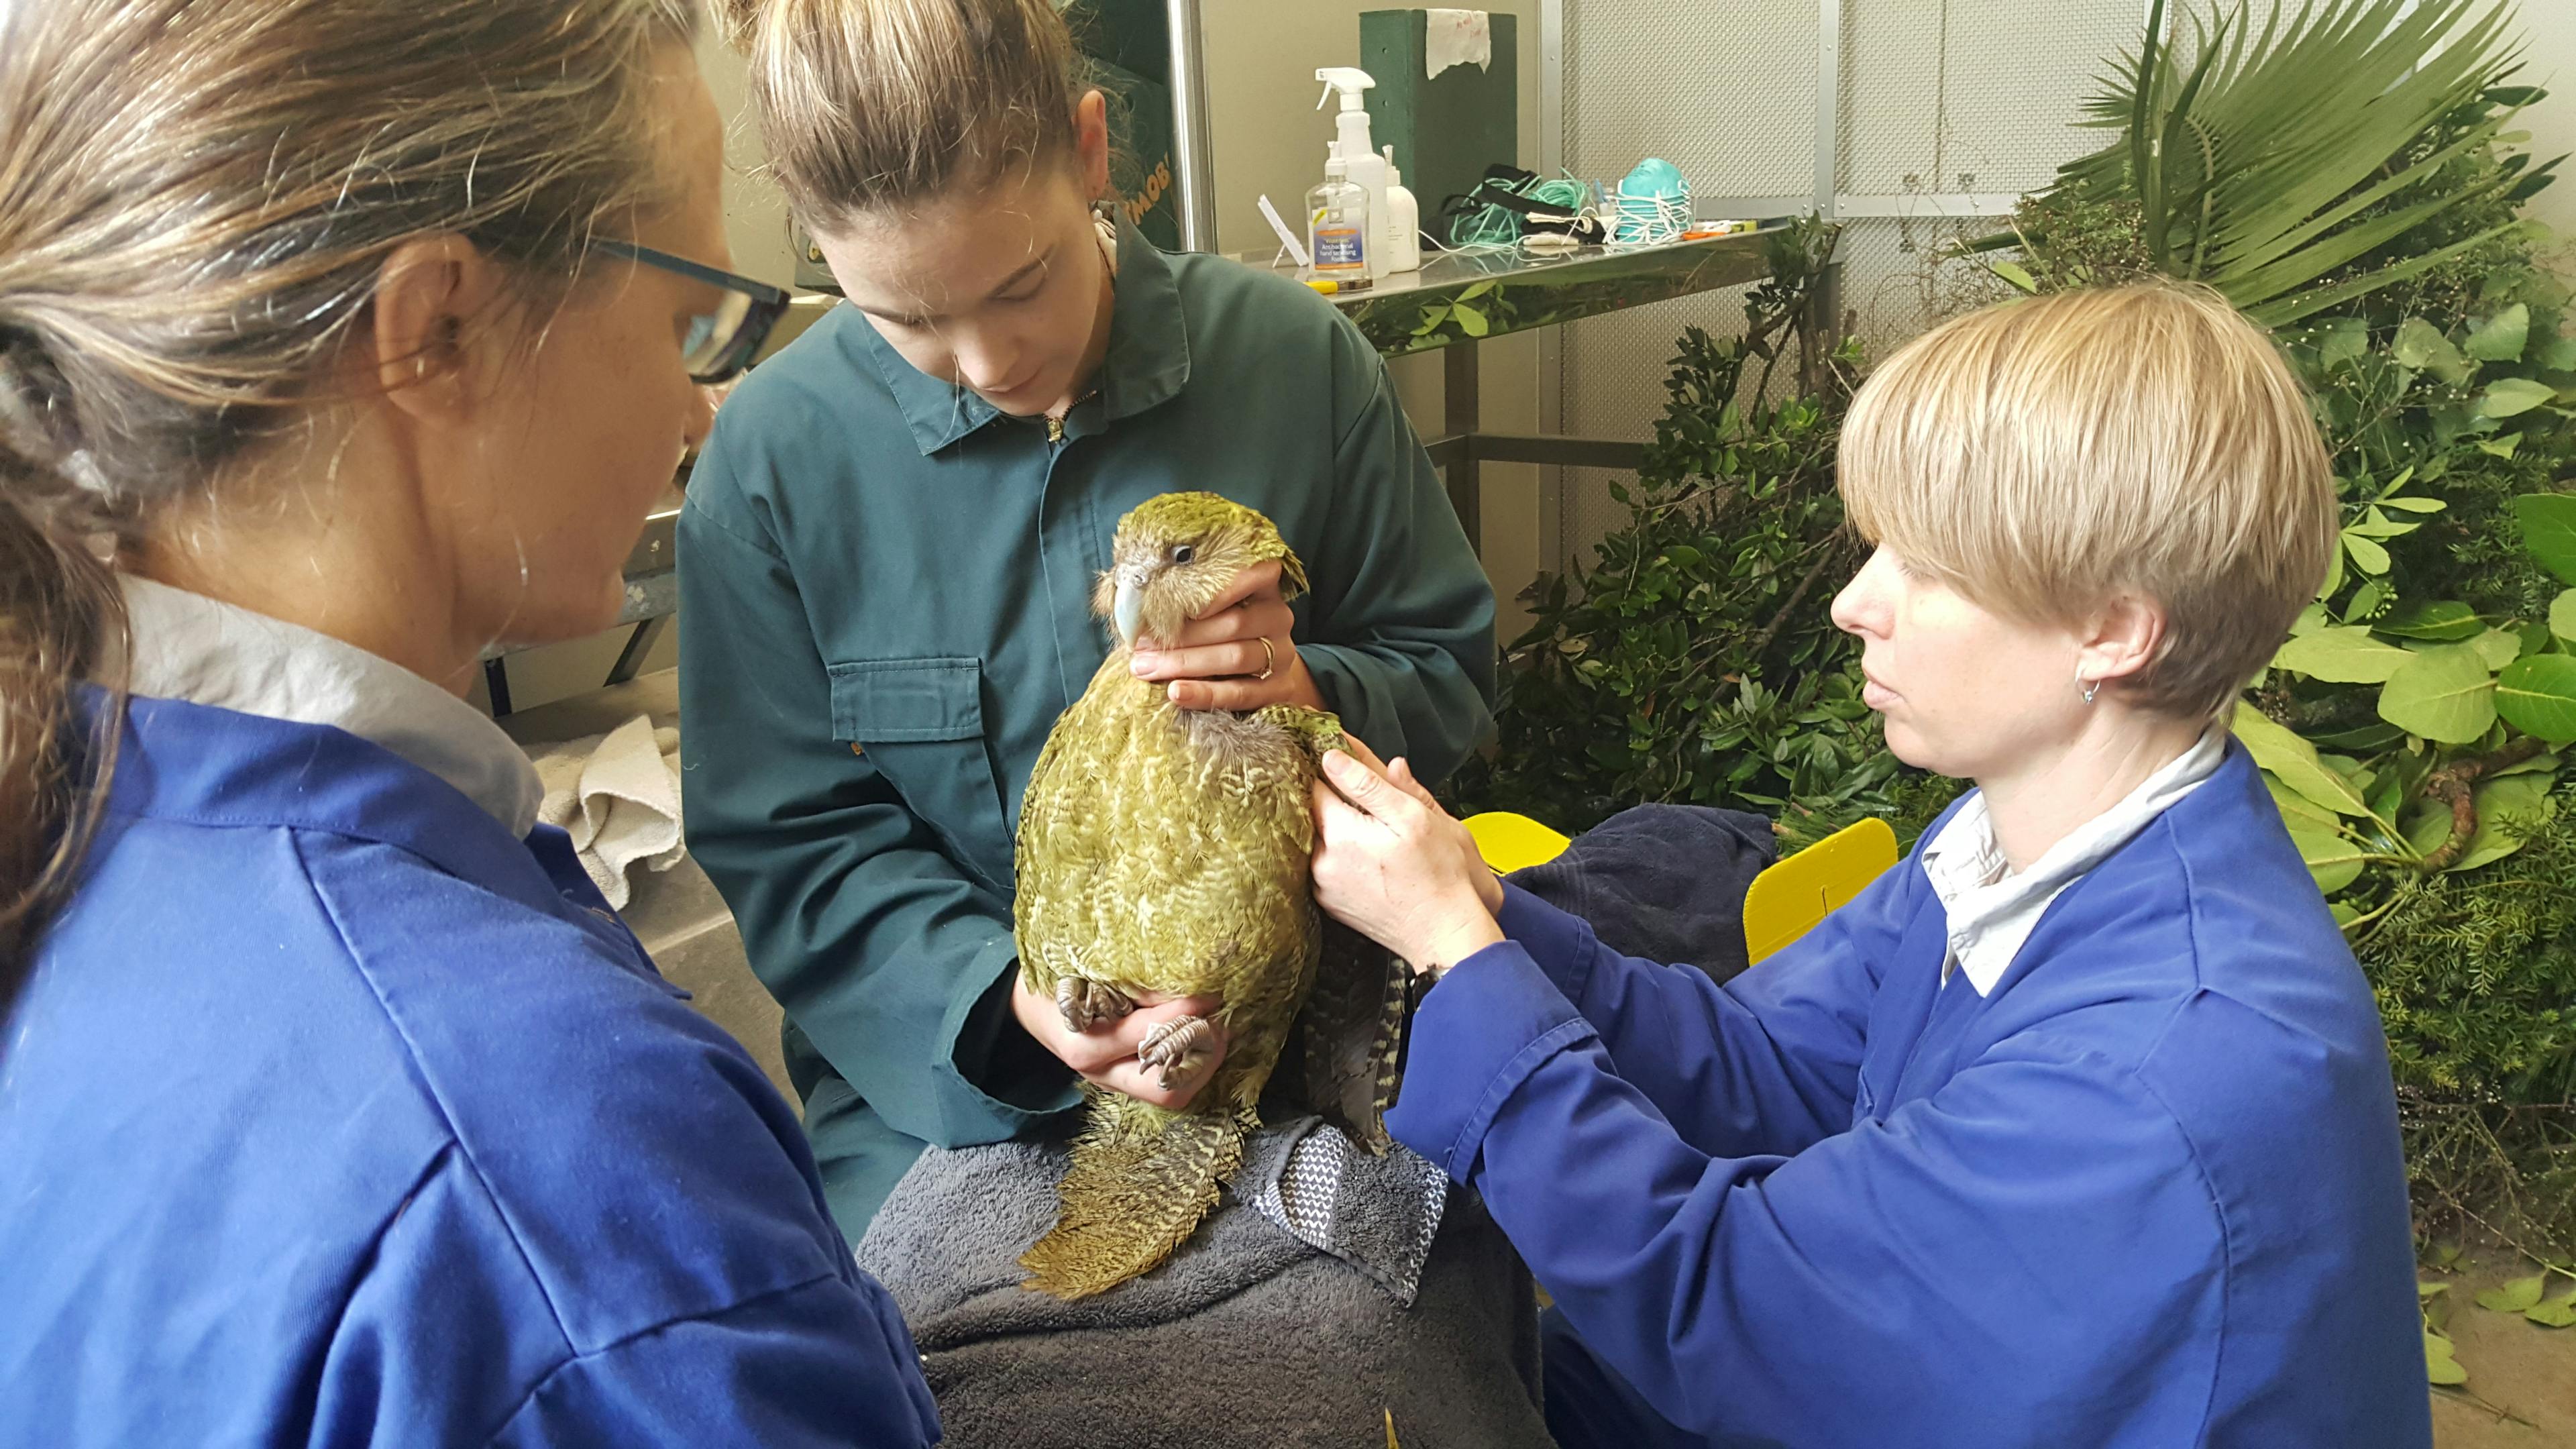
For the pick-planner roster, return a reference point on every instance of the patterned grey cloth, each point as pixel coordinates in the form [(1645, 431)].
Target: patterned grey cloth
[(1378, 1214), (1249, 1338)]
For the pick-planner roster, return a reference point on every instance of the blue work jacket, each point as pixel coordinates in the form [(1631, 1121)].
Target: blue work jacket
[(332, 1114), (2148, 1192)]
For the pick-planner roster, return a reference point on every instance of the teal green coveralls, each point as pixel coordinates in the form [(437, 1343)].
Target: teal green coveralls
[(885, 603)]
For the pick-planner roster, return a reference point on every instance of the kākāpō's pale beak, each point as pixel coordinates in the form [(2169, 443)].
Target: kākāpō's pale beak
[(1128, 612)]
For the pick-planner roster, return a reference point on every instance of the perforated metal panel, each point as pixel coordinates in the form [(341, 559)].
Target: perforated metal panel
[(1935, 99)]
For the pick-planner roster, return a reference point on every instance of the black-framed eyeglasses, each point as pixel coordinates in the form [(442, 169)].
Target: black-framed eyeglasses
[(720, 343)]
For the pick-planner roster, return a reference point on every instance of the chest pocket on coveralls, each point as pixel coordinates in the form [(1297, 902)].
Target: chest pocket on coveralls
[(920, 722)]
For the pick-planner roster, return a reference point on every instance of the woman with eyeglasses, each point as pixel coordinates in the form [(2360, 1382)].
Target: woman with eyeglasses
[(340, 339)]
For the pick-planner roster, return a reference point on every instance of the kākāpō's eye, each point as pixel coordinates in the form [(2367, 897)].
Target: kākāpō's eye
[(1184, 553)]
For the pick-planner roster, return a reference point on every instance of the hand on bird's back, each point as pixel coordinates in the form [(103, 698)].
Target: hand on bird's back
[(1218, 660), (1393, 865), (1105, 1055)]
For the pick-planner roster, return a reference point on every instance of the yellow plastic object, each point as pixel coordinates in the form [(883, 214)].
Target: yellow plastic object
[(1786, 901), (1510, 842)]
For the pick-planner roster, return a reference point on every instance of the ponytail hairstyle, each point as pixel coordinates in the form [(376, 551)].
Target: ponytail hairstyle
[(877, 106), (196, 198)]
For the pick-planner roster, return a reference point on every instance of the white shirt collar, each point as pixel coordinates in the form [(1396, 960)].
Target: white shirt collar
[(1992, 911), (202, 651)]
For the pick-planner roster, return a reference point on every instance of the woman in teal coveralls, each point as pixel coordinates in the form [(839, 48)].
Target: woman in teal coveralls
[(890, 541)]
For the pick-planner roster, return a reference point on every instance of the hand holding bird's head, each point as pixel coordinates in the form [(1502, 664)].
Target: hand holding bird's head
[(1176, 554)]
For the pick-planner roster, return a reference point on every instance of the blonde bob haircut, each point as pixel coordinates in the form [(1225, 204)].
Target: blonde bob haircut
[(2045, 457)]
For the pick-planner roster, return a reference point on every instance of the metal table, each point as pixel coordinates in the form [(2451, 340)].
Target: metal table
[(1454, 302), (1459, 299)]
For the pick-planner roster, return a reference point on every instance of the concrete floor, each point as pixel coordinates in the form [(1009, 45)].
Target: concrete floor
[(2521, 1392)]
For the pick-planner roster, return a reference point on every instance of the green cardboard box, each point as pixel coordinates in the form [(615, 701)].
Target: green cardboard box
[(1446, 129)]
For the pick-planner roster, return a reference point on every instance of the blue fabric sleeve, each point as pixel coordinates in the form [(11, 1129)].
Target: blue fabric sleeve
[(1401, 592), (1768, 1063), (777, 1371), (1902, 1274)]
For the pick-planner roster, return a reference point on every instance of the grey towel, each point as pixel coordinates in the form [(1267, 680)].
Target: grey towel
[(1665, 882), (1248, 1337)]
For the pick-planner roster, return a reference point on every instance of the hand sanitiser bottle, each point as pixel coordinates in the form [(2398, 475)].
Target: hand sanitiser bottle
[(1360, 160), (1337, 229), (1402, 223)]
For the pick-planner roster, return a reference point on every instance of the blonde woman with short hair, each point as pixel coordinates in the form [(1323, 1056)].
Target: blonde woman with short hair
[(2075, 1128), (340, 339)]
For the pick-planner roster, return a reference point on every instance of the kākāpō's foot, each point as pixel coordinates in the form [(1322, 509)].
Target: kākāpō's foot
[(1085, 1002), (1177, 1048)]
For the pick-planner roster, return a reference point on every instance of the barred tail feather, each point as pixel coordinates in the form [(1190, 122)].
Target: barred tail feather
[(1353, 1034), (1141, 1181)]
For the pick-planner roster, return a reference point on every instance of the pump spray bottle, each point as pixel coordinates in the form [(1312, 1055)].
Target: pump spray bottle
[(1360, 160)]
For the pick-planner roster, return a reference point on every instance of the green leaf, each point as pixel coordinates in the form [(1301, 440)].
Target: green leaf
[(2369, 736), (2562, 614), (2513, 1297), (2427, 826), (1470, 321), (1683, 556), (2334, 861), (2542, 764), (2310, 620), (2444, 693), (2560, 356), (1478, 290), (2509, 396), (2500, 338), (2556, 1313), (2296, 812), (2538, 696), (2549, 530), (2342, 656), (2424, 1289), (2498, 647), (2293, 761), (2508, 811), (2015, 275), (2415, 505), (2367, 556), (2421, 346), (2346, 338), (2439, 1366), (2445, 621)]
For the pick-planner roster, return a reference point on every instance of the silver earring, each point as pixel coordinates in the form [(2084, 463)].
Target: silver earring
[(2092, 687)]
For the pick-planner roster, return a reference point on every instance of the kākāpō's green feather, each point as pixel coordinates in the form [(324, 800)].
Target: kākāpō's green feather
[(1165, 853)]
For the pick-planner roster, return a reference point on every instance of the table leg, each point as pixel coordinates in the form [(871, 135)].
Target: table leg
[(1459, 412)]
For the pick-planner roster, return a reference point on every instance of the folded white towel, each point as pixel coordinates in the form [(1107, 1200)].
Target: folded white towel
[(618, 796)]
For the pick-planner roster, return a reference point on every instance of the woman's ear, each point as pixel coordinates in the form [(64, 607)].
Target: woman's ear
[(2125, 638), (1091, 143), (432, 347)]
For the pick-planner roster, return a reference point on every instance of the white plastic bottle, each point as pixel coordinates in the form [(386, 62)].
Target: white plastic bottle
[(1360, 160), (1339, 234), (1403, 226)]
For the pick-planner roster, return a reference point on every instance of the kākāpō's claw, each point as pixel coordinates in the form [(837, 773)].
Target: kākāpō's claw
[(1178, 1048), (1086, 1002)]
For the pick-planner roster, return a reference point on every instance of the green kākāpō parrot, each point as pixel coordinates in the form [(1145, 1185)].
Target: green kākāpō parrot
[(1166, 852)]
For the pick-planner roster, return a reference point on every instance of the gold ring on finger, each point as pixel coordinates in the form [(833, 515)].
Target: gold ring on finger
[(1269, 659)]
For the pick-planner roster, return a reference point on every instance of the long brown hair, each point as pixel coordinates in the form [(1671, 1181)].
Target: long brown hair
[(875, 105), (196, 198)]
